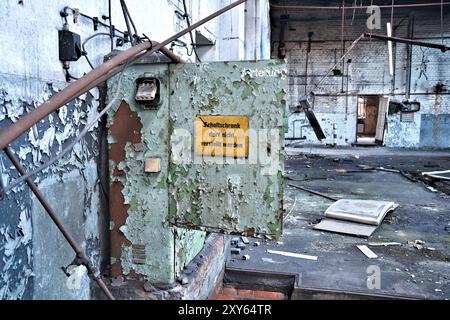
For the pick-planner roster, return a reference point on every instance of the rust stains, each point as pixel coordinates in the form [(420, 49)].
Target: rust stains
[(125, 129)]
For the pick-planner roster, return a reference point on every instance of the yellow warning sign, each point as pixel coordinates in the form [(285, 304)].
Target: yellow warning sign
[(225, 136)]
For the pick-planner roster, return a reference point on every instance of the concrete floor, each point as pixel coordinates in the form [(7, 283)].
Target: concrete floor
[(422, 215)]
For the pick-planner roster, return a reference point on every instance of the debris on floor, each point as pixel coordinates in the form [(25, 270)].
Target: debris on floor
[(367, 252), (440, 175), (421, 215), (355, 217), (238, 244), (362, 211), (234, 241), (235, 251), (384, 244), (293, 255), (313, 192), (345, 227), (245, 240), (418, 244)]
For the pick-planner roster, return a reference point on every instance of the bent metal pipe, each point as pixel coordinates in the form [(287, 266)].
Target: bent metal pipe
[(88, 81)]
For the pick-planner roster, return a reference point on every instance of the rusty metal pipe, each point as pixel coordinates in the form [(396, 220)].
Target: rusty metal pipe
[(169, 54), (115, 71), (441, 47), (89, 80), (52, 214)]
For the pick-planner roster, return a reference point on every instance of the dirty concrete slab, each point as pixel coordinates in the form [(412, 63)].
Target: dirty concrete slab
[(404, 270)]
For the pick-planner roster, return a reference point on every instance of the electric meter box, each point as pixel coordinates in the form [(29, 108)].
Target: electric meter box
[(193, 148)]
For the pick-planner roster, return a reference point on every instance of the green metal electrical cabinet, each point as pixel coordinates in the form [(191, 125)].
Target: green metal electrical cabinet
[(193, 148)]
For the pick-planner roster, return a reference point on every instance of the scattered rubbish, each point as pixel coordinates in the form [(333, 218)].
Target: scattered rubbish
[(237, 245), (234, 241), (293, 255), (245, 240), (384, 244), (362, 211), (418, 244), (368, 253), (355, 217), (307, 109), (387, 170), (432, 189), (241, 245), (313, 192), (280, 242), (440, 175), (235, 251), (352, 171), (438, 290), (246, 257), (346, 227), (256, 244)]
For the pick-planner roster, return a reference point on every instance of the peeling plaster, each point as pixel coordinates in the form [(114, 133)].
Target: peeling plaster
[(46, 138)]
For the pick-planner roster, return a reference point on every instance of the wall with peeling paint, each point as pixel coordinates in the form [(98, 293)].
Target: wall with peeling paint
[(31, 250), (335, 102)]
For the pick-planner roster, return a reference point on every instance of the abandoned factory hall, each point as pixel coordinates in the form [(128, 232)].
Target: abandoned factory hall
[(232, 150)]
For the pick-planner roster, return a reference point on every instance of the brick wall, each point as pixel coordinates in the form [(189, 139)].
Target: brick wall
[(368, 73)]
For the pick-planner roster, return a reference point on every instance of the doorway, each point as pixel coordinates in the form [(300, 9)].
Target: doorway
[(371, 120)]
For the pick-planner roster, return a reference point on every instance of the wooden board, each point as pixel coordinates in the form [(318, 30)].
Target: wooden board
[(345, 227)]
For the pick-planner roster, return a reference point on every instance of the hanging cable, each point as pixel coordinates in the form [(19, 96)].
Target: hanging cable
[(111, 31), (131, 21), (338, 62), (186, 15), (84, 52), (127, 22)]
